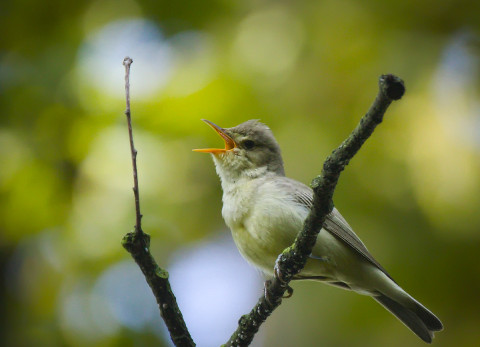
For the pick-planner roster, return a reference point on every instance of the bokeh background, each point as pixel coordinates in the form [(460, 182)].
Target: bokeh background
[(309, 70)]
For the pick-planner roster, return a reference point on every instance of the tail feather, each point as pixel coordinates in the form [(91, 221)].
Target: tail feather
[(420, 320), (430, 320)]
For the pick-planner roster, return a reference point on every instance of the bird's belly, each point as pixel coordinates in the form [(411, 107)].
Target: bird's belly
[(332, 261), (264, 229), (260, 253)]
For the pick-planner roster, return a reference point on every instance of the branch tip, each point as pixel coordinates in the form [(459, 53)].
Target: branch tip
[(393, 86), (127, 61)]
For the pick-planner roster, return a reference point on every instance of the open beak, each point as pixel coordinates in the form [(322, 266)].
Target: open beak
[(229, 143)]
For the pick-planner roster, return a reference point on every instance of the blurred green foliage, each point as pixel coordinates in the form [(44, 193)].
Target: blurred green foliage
[(306, 68)]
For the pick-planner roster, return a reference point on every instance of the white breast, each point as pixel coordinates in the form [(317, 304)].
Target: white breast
[(263, 220)]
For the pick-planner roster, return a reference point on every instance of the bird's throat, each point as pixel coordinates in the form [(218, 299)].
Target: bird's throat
[(234, 173)]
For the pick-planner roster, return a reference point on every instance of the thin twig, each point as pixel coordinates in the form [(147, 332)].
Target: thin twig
[(138, 223), (137, 243), (293, 259)]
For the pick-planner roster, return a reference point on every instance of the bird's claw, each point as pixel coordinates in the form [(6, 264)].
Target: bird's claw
[(267, 296), (289, 293), (278, 273), (265, 291), (279, 276)]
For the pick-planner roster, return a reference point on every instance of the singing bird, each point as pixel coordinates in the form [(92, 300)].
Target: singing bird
[(265, 210)]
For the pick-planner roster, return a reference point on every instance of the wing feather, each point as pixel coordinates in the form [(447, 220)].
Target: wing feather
[(335, 224)]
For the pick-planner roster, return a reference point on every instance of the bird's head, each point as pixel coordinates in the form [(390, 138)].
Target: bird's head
[(250, 151)]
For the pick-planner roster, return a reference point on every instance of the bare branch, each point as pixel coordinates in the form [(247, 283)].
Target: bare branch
[(137, 243), (127, 62), (293, 259)]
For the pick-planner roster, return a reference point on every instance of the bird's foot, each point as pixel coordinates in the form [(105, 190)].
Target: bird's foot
[(289, 292), (277, 272), (324, 259), (267, 283)]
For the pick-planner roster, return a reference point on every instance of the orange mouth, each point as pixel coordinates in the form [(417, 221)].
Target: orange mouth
[(229, 142)]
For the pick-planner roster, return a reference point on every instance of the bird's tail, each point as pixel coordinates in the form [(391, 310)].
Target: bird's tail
[(413, 314)]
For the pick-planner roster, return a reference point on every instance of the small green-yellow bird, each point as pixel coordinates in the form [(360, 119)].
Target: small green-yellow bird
[(265, 211)]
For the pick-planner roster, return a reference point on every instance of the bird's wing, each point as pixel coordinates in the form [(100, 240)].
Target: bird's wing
[(334, 223)]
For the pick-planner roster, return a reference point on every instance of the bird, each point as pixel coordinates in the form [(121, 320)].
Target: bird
[(265, 211)]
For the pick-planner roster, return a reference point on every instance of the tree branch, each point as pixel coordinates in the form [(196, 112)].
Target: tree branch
[(137, 243), (127, 62), (293, 259)]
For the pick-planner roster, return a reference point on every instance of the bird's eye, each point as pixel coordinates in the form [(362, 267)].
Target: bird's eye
[(248, 144)]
